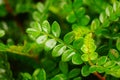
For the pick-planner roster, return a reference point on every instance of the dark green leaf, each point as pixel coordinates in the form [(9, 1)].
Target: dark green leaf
[(102, 60), (63, 67), (113, 54), (85, 70), (73, 73)]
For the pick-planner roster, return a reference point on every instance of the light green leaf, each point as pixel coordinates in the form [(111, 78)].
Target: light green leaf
[(56, 29), (113, 54), (33, 33), (118, 44), (67, 55), (73, 73), (103, 17), (36, 26), (63, 67), (46, 26), (109, 10), (85, 70), (59, 77), (95, 24), (93, 55), (76, 59), (69, 37), (40, 7), (50, 44), (85, 57), (40, 74), (58, 50), (2, 33), (109, 64), (102, 60), (41, 39), (71, 18), (36, 16)]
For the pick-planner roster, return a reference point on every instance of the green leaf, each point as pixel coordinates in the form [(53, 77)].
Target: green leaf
[(109, 10), (67, 55), (56, 29), (78, 78), (96, 68), (84, 20), (80, 12), (2, 33), (40, 74), (77, 4), (71, 18), (85, 57), (113, 54), (58, 50), (3, 47), (26, 76), (33, 33), (103, 17), (76, 59), (59, 77), (92, 69), (109, 64), (85, 70), (95, 24), (41, 39), (118, 44), (93, 55), (78, 43), (102, 60), (46, 26), (73, 73), (40, 7), (36, 16), (36, 26), (63, 67), (50, 44), (69, 37)]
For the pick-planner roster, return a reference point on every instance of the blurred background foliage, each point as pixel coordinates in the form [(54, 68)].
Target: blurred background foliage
[(21, 57)]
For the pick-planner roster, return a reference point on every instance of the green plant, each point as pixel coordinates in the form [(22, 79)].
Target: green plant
[(66, 40)]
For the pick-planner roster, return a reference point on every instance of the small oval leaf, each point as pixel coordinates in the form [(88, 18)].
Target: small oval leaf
[(85, 70), (69, 37), (58, 50), (67, 55), (46, 26), (56, 29), (50, 44), (73, 73), (76, 59), (63, 67), (41, 39)]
